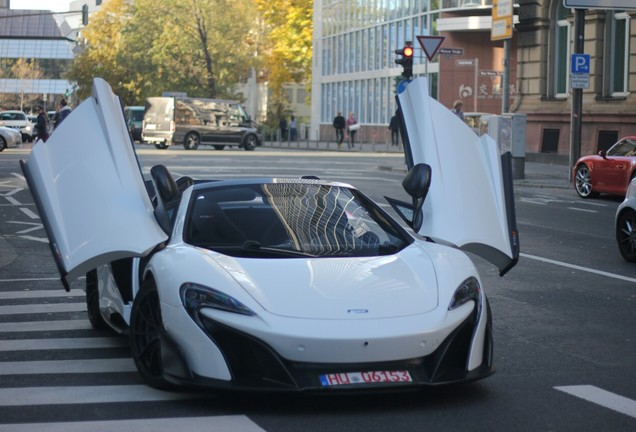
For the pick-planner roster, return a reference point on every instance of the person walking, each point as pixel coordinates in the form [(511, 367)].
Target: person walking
[(65, 110), (457, 109), (352, 126), (394, 127), (282, 125), (339, 124), (42, 124), (293, 130)]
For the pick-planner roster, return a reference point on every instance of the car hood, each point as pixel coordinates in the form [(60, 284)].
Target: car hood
[(470, 202), (89, 189), (341, 288)]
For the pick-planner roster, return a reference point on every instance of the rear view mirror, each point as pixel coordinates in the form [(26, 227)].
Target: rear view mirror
[(416, 184)]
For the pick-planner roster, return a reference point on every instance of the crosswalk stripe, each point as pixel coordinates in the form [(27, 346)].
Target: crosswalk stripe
[(28, 396), (602, 397), (37, 326), (68, 366), (42, 308), (62, 343), (40, 294), (230, 423)]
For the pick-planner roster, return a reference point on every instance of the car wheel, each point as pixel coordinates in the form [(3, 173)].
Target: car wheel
[(626, 235), (3, 143), (191, 141), (92, 302), (219, 147), (583, 182), (250, 142), (161, 146), (146, 331)]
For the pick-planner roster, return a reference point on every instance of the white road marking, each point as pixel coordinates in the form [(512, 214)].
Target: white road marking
[(12, 200), (29, 213), (39, 294), (38, 239), (27, 396), (602, 397), (576, 267), (42, 308), (68, 366), (29, 279), (583, 210), (34, 226), (62, 343), (39, 326), (229, 423)]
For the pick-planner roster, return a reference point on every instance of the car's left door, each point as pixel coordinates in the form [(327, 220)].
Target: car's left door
[(612, 173), (89, 190)]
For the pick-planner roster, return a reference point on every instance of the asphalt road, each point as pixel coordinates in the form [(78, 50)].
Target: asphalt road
[(563, 319)]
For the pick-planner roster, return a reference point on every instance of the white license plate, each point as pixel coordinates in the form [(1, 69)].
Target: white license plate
[(151, 126), (373, 377)]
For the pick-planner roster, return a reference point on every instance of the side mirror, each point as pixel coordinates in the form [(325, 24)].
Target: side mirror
[(603, 154), (416, 184)]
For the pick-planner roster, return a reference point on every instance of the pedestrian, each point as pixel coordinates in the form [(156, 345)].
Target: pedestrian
[(64, 111), (394, 127), (282, 125), (293, 131), (352, 127), (42, 124), (339, 124), (457, 109)]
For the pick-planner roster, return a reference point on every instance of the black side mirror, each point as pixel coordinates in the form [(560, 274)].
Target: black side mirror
[(416, 184), (603, 154)]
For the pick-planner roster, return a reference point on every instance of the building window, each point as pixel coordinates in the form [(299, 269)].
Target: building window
[(561, 51), (616, 76)]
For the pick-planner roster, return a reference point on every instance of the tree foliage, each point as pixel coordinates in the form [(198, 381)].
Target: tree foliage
[(147, 47)]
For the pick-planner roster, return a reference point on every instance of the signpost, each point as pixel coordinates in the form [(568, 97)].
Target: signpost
[(580, 71), (502, 12)]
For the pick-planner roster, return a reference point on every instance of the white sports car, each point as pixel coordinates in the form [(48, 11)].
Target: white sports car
[(282, 283)]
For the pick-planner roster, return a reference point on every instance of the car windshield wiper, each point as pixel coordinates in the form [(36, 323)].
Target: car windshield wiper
[(253, 245)]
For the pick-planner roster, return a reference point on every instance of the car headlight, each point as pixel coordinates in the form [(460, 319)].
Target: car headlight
[(468, 290), (27, 128), (195, 296)]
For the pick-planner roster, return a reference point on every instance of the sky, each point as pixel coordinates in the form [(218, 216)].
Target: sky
[(54, 5)]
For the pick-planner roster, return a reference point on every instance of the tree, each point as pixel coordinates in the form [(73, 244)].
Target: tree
[(24, 71)]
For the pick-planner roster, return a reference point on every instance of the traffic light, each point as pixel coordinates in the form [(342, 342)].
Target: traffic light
[(85, 14), (407, 59)]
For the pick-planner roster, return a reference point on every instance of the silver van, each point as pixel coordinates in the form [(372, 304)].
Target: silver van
[(197, 121)]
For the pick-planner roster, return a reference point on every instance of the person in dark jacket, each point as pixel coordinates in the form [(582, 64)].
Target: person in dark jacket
[(65, 110), (339, 124), (394, 126), (42, 124)]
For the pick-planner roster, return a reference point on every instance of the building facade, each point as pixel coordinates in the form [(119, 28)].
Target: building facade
[(546, 39), (354, 66)]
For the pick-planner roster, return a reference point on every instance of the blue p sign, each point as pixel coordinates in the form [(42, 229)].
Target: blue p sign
[(580, 64)]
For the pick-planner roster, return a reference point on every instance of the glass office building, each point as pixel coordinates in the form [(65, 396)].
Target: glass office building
[(354, 57), (43, 43)]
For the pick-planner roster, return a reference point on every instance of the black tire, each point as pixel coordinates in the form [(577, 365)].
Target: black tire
[(626, 235), (219, 147), (191, 141), (583, 182), (161, 146), (92, 302), (3, 143), (146, 330), (250, 141)]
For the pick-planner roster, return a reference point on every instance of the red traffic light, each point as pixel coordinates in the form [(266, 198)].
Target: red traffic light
[(407, 51)]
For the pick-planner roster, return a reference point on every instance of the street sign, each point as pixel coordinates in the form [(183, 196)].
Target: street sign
[(599, 4), (430, 45), (451, 51), (580, 71), (501, 20), (466, 62), (580, 64), (402, 85)]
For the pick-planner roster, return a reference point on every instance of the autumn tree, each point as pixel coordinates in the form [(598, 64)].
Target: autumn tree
[(25, 70)]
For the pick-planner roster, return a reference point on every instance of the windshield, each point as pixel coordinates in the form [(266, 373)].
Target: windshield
[(287, 219), (12, 116)]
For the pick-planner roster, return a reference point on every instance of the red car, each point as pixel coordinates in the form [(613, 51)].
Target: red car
[(608, 172)]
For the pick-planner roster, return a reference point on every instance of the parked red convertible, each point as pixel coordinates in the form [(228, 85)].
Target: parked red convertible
[(608, 172)]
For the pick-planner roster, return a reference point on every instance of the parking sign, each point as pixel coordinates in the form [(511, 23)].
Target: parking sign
[(580, 64)]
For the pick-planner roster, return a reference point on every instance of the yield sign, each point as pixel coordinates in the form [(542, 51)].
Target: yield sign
[(430, 45)]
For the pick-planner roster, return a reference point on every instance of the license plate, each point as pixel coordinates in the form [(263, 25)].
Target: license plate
[(361, 378), (151, 126)]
